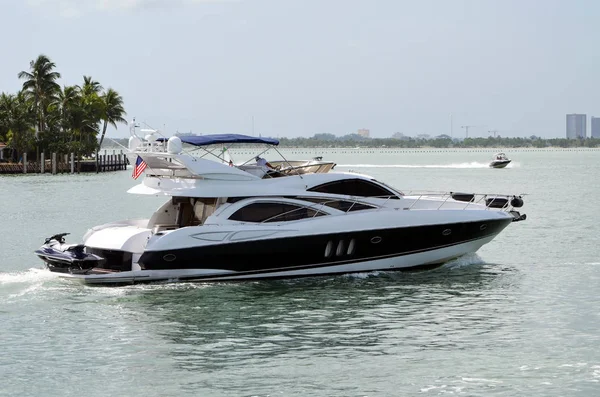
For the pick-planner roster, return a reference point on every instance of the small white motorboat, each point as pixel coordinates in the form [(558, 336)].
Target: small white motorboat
[(500, 161)]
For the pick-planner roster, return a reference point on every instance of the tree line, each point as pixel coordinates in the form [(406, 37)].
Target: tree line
[(416, 143), (439, 142), (45, 117)]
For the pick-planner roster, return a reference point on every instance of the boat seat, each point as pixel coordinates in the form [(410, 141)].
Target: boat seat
[(74, 248)]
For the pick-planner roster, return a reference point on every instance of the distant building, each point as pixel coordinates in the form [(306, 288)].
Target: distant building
[(365, 133), (576, 126), (400, 136), (180, 134), (596, 127)]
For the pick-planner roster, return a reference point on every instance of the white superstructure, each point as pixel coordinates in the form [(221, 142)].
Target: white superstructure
[(221, 222)]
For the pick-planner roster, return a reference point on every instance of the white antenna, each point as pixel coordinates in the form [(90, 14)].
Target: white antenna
[(135, 141)]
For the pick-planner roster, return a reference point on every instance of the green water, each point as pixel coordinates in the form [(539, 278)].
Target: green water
[(519, 318)]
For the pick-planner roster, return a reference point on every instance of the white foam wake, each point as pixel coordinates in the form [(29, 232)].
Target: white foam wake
[(466, 260), (33, 275), (24, 283), (364, 275), (473, 164)]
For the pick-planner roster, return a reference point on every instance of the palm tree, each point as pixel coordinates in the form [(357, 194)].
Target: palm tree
[(90, 86), (6, 103), (41, 87), (67, 105), (16, 121), (112, 111), (92, 106)]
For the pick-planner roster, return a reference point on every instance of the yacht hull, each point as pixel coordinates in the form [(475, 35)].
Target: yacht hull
[(309, 250), (214, 271), (500, 163)]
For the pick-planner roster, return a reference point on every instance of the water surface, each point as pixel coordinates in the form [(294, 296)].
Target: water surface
[(519, 318)]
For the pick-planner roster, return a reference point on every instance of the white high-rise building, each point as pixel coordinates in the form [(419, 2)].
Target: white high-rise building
[(595, 127)]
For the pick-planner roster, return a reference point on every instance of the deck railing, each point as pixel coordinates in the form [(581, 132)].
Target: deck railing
[(489, 201)]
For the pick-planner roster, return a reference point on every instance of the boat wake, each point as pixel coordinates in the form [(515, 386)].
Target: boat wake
[(33, 275), (464, 261), (364, 275), (26, 282), (473, 164)]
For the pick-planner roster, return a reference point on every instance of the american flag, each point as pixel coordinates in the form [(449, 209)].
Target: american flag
[(140, 166)]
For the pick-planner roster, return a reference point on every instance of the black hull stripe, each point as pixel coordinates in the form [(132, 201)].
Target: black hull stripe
[(304, 252)]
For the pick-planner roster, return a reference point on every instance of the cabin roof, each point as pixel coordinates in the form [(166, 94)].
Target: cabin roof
[(214, 139)]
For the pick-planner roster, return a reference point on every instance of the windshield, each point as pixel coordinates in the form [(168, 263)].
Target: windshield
[(398, 192)]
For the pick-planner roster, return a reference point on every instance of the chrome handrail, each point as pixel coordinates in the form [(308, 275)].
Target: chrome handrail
[(477, 199)]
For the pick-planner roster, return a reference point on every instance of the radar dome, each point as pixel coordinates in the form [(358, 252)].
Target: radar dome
[(174, 145)]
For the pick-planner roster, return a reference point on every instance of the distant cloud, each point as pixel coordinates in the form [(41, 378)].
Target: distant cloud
[(76, 8)]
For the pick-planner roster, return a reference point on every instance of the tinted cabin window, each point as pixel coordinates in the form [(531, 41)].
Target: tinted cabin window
[(341, 205), (273, 212), (354, 187), (232, 200)]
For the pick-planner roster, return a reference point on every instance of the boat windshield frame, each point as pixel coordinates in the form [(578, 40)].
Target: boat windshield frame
[(217, 145), (216, 139)]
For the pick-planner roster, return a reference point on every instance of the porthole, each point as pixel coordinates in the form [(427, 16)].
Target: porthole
[(169, 257), (483, 227), (340, 248), (376, 240), (447, 232), (351, 247), (328, 249)]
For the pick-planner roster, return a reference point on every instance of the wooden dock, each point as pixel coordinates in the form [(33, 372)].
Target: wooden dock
[(62, 164)]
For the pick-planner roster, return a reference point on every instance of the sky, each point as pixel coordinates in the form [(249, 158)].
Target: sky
[(286, 68)]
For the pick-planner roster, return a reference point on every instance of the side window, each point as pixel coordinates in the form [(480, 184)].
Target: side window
[(273, 212), (336, 187), (354, 187)]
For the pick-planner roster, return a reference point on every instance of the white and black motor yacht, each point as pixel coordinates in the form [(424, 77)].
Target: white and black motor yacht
[(220, 223)]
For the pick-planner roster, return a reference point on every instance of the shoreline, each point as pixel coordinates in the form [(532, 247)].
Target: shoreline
[(424, 148)]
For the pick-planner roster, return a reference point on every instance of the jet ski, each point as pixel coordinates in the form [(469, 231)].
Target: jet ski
[(67, 258)]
